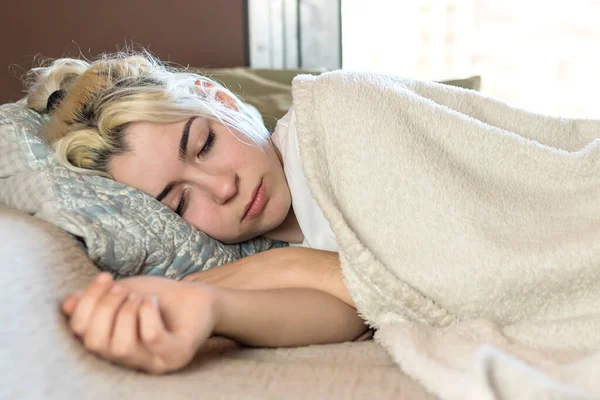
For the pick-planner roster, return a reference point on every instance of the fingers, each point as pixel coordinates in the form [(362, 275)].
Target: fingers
[(71, 301), (98, 334), (113, 327), (125, 344), (139, 338), (83, 312), (154, 335), (126, 327)]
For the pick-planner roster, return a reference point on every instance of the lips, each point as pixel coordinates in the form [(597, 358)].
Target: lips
[(257, 204)]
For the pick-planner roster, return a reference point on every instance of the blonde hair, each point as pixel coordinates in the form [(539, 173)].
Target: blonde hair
[(103, 97)]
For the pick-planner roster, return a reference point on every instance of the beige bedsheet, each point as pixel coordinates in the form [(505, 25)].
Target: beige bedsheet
[(40, 360)]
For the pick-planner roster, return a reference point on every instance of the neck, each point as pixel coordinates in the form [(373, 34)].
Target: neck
[(288, 231)]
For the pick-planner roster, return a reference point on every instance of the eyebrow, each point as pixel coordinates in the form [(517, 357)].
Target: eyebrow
[(183, 144)]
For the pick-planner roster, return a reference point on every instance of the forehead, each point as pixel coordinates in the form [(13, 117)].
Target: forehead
[(152, 160), (152, 136)]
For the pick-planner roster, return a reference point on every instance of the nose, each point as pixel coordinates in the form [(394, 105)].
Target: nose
[(220, 186)]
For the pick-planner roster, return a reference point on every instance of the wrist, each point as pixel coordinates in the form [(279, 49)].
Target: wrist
[(203, 299), (218, 300)]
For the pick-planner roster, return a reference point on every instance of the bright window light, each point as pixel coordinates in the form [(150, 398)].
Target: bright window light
[(538, 55)]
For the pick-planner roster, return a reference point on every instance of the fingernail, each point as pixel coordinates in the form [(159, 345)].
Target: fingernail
[(133, 296), (154, 301)]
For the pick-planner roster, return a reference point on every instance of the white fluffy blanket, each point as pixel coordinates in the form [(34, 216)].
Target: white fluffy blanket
[(469, 231)]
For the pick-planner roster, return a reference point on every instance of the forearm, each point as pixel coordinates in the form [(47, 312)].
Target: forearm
[(290, 267), (284, 317)]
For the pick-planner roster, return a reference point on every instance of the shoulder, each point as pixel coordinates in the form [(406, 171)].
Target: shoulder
[(284, 127)]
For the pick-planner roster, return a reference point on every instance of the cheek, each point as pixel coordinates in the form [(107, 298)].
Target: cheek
[(282, 201), (207, 218), (200, 215), (253, 157)]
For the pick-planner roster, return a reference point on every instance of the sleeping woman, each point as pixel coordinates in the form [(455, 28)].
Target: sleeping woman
[(190, 143), (443, 205)]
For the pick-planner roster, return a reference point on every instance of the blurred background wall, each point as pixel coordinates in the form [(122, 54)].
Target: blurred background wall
[(201, 33)]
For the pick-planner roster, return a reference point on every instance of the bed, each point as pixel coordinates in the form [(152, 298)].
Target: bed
[(40, 359)]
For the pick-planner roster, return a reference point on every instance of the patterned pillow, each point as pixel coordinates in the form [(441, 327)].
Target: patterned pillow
[(124, 230)]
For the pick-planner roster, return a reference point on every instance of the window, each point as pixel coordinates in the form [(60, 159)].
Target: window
[(295, 34), (538, 55)]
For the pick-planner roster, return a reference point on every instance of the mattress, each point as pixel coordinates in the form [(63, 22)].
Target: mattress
[(40, 359)]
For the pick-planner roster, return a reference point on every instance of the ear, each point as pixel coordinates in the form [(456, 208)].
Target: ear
[(221, 96)]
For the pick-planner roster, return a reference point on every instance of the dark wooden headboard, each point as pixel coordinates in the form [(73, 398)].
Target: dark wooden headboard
[(200, 33)]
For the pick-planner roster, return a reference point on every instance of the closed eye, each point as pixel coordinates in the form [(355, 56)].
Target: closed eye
[(180, 207), (210, 140)]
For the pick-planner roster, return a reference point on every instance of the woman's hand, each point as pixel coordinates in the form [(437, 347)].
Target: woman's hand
[(148, 323), (281, 268), (118, 321)]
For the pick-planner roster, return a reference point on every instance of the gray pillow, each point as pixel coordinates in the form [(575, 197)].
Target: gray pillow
[(124, 230)]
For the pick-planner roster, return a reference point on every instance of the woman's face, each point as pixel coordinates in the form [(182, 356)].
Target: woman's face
[(230, 190)]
